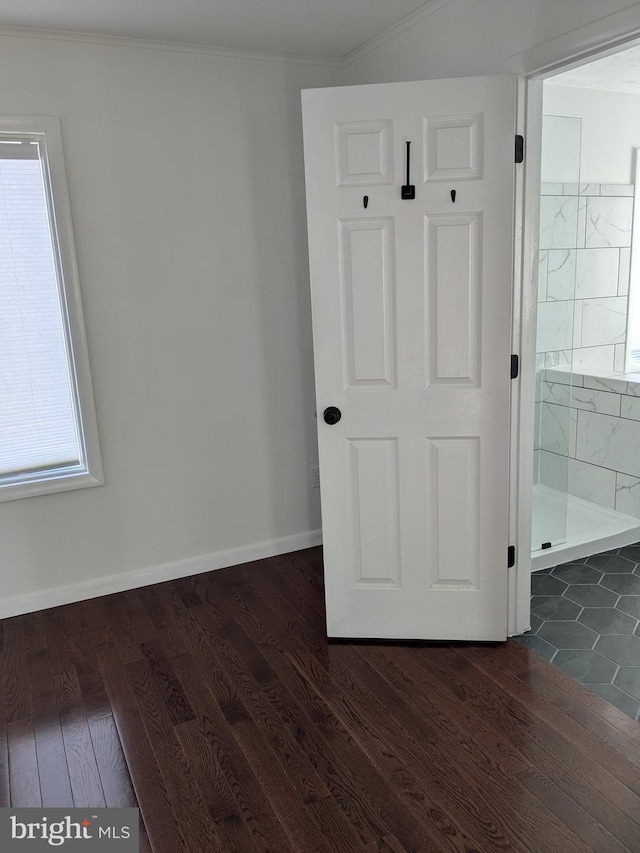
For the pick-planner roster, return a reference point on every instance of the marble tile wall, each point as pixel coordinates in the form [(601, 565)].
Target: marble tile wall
[(590, 437), (583, 286)]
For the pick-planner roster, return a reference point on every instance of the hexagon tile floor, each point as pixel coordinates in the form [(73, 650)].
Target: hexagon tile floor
[(585, 620)]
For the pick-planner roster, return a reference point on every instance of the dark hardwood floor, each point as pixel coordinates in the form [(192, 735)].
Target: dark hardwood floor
[(216, 704)]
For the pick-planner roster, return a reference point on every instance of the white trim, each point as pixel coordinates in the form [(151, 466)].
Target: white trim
[(48, 128), (606, 35), (597, 37), (56, 596), (149, 44), (394, 30), (578, 45), (524, 341), (50, 484)]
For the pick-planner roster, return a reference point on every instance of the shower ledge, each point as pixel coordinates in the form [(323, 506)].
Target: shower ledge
[(619, 383)]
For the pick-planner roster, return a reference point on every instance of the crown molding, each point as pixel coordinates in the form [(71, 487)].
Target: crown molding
[(571, 49), (178, 47), (395, 29), (184, 47)]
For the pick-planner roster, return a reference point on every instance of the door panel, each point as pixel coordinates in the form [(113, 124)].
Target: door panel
[(453, 147), (374, 504), (412, 316), (364, 153), (454, 477), (453, 246), (368, 286)]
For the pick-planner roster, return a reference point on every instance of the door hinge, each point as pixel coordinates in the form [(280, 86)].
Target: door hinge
[(519, 148), (515, 366), (511, 556)]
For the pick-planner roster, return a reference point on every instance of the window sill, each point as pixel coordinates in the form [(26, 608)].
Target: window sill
[(49, 485)]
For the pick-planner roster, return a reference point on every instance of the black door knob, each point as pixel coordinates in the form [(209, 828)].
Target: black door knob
[(331, 415)]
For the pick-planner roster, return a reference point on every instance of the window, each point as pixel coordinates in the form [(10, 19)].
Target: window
[(48, 431)]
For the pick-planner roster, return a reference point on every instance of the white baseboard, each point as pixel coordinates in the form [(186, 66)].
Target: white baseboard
[(55, 596)]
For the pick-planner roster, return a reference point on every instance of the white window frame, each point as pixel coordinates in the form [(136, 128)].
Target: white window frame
[(46, 129)]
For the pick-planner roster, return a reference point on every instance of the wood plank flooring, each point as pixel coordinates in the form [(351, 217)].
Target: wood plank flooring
[(216, 704)]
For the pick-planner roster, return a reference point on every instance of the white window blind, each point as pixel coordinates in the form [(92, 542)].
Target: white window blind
[(41, 427), (39, 424)]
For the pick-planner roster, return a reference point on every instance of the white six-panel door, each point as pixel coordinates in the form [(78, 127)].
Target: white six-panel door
[(411, 322)]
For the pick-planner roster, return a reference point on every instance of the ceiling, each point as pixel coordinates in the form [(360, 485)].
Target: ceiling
[(619, 72), (324, 28)]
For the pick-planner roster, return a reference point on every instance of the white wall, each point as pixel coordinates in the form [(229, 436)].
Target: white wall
[(467, 37), (610, 131), (187, 193), (561, 145)]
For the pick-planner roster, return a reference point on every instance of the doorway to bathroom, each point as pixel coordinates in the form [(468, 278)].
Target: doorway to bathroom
[(585, 603), (587, 406)]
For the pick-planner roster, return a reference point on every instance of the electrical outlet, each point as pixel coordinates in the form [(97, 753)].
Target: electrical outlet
[(315, 477)]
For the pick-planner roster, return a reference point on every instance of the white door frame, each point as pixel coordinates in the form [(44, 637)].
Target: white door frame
[(608, 35)]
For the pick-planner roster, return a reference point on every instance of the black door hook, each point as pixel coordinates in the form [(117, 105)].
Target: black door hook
[(408, 191), (365, 201), (453, 196)]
